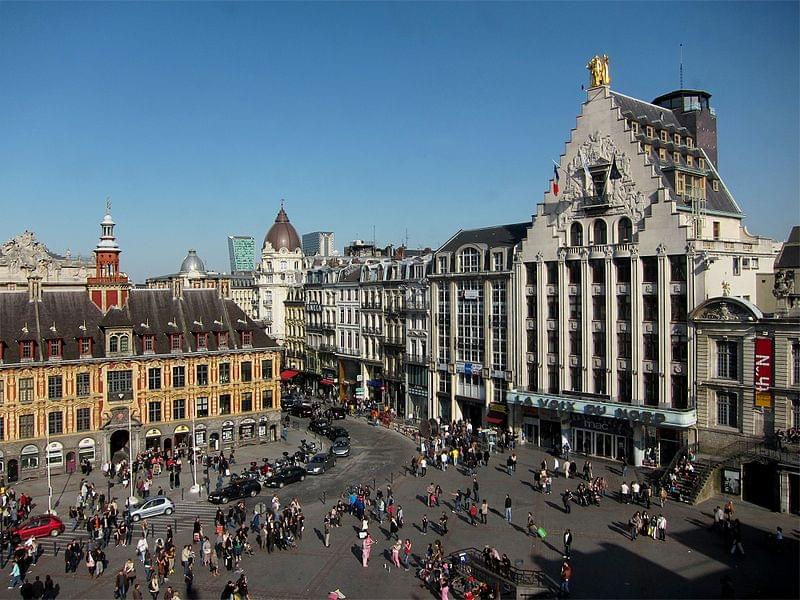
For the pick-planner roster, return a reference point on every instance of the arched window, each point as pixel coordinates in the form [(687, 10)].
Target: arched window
[(600, 232), (113, 344), (624, 231), (29, 457), (123, 343), (469, 260), (576, 234)]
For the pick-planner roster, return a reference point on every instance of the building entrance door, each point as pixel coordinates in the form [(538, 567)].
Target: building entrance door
[(604, 445), (13, 470), (583, 442)]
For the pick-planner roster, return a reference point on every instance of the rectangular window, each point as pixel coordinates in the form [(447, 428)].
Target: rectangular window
[(26, 429), (599, 377), (154, 378), (737, 265), (247, 339), (552, 380), (664, 135), (624, 345), (795, 363), (727, 409), (677, 308), (680, 392), (442, 264), (552, 307), (55, 387), (178, 376), (175, 342), (202, 374), (202, 341), (574, 307), (83, 386), (650, 346), (246, 371), (26, 350), (574, 343), (727, 359), (85, 346), (247, 402), (497, 261), (54, 348), (2, 392), (2, 428), (154, 412), (651, 389), (599, 308), (676, 158), (599, 343), (649, 131), (689, 160), (222, 340), (120, 384), (662, 154), (148, 343), (716, 228), (266, 399), (677, 269), (650, 308), (201, 407), (680, 183), (25, 390), (680, 348), (266, 369), (690, 142), (624, 386), (552, 341), (55, 423), (224, 372), (624, 307), (575, 380), (83, 419), (650, 269), (225, 404), (178, 409)]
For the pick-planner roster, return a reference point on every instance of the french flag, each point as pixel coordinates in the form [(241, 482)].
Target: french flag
[(555, 180)]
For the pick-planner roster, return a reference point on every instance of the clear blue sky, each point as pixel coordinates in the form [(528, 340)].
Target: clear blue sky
[(198, 118)]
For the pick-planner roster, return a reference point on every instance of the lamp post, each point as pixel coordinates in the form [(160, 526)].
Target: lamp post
[(195, 489), (50, 510), (132, 500)]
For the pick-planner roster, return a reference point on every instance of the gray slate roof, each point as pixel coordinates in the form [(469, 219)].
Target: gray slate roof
[(789, 257)]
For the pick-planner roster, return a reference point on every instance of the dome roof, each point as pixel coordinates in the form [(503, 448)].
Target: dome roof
[(193, 264), (282, 234)]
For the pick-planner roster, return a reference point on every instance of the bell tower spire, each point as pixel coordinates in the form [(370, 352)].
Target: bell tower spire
[(108, 287)]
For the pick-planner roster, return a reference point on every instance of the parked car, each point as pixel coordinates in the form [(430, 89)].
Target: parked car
[(235, 490), (245, 475), (154, 507), (39, 526), (340, 447), (301, 410), (320, 463), (336, 413), (338, 432), (320, 426), (285, 476)]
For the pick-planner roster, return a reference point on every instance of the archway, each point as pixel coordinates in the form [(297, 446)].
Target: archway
[(213, 442), (13, 470), (168, 444), (72, 462), (118, 445)]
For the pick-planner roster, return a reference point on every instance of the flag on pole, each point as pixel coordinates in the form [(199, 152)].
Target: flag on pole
[(585, 169), (615, 174), (555, 180)]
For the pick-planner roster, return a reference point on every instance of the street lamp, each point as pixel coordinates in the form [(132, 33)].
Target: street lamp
[(195, 489), (50, 510), (132, 500)]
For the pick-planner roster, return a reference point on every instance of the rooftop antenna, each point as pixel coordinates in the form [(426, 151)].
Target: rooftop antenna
[(681, 66), (373, 235), (406, 242)]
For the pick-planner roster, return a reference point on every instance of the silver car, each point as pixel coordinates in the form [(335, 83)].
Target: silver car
[(319, 464), (341, 447), (154, 507)]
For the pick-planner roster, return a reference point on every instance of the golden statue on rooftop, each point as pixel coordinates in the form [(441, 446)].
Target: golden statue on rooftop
[(598, 71)]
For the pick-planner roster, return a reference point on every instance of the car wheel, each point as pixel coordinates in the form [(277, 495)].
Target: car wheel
[(168, 512), (136, 518), (280, 484), (253, 493), (225, 500), (302, 477), (54, 533)]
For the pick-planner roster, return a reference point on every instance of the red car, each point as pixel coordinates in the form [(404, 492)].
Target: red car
[(41, 526)]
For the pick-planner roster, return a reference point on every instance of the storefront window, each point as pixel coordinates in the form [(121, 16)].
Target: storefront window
[(86, 450), (29, 458)]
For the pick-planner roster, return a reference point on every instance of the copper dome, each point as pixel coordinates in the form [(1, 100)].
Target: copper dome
[(283, 234)]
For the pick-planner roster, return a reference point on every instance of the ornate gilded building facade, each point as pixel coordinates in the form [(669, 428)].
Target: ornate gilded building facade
[(84, 374)]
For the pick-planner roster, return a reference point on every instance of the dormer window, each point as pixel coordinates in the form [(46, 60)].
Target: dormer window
[(689, 160), (247, 338), (85, 346), (664, 135), (497, 261), (54, 349), (26, 350), (715, 185), (175, 342), (690, 142), (650, 131), (635, 126), (677, 138), (469, 260), (148, 343), (202, 341), (702, 163), (442, 264), (222, 340)]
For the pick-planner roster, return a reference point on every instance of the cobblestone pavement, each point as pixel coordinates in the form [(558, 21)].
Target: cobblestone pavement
[(606, 563)]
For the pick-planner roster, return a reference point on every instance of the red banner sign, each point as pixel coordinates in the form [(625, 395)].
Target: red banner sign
[(763, 372)]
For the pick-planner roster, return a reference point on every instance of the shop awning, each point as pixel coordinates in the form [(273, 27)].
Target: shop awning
[(495, 418), (326, 381), (288, 374)]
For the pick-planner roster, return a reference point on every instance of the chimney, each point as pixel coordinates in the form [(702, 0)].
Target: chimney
[(34, 288)]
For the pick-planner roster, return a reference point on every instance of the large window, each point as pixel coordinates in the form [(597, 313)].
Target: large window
[(247, 402), (624, 345), (727, 409), (727, 359), (154, 411), (624, 307), (650, 306), (178, 409), (650, 346), (499, 324), (680, 391), (680, 348), (26, 426), (201, 407), (469, 260), (576, 234), (83, 385), (55, 423), (225, 372), (202, 374), (651, 389), (575, 379), (178, 376), (83, 419), (266, 399), (246, 371), (25, 390), (795, 363), (119, 382), (443, 318), (225, 404), (154, 378), (624, 386), (29, 458), (470, 321), (55, 387), (266, 369)]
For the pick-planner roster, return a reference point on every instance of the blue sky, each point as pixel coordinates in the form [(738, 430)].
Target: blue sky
[(197, 118)]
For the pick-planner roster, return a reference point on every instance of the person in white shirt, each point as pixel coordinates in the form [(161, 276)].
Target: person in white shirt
[(635, 491), (625, 492)]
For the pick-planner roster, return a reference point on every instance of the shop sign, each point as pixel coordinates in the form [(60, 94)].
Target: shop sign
[(606, 425), (152, 432), (417, 390), (763, 372), (498, 407), (469, 368), (181, 429), (566, 407)]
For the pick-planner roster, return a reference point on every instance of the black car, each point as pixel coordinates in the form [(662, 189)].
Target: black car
[(285, 476), (320, 426), (238, 489), (287, 402), (338, 432), (301, 410), (336, 413)]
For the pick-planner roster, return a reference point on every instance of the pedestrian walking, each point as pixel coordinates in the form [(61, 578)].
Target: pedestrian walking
[(396, 547), (661, 525), (484, 511), (406, 553), (424, 524), (508, 508), (366, 549), (566, 499), (566, 575), (567, 543)]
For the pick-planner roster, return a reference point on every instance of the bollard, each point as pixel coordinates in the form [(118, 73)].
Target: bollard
[(175, 525), (181, 492), (55, 548), (324, 496)]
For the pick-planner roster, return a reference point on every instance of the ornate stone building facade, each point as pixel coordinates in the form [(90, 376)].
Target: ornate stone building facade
[(24, 256)]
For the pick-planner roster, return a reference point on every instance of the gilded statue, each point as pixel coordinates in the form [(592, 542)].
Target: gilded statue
[(598, 71)]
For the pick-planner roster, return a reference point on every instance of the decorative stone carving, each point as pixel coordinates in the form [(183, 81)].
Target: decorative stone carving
[(784, 283), (724, 312)]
